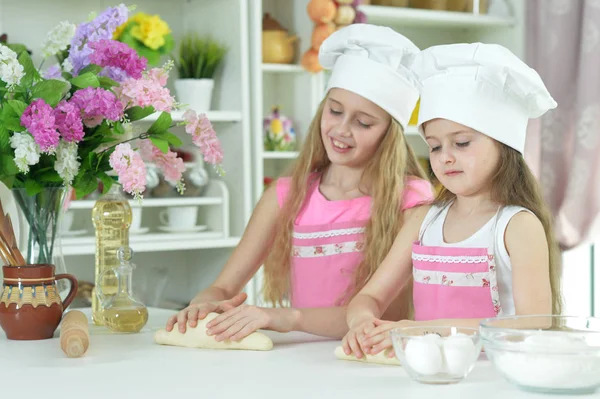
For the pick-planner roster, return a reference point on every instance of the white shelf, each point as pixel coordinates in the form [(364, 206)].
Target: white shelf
[(155, 202), (280, 154), (404, 16), (213, 116), (283, 68), (155, 242)]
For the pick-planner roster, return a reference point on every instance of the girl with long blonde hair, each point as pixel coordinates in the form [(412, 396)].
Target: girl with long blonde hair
[(321, 231), (485, 247)]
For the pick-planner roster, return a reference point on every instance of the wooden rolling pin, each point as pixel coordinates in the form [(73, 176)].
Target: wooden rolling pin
[(74, 334)]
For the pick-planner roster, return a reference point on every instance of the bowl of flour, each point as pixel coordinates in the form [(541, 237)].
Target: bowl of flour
[(545, 353)]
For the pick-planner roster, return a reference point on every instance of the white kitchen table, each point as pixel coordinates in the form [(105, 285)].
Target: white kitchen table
[(298, 366)]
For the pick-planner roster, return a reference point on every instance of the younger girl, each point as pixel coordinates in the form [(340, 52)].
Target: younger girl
[(486, 246), (320, 232)]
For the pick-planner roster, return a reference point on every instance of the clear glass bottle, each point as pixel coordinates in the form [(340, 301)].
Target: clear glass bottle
[(111, 216), (123, 312)]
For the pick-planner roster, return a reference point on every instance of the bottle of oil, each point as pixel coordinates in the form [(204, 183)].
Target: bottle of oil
[(123, 312), (111, 216)]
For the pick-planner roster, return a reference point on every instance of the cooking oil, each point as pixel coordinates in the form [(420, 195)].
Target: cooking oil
[(111, 216), (122, 312), (125, 319)]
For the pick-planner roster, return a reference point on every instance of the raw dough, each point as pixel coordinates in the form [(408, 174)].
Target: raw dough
[(380, 358), (197, 338)]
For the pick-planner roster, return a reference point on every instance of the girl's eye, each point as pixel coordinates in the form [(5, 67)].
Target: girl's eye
[(465, 144), (434, 149), (334, 112), (364, 125)]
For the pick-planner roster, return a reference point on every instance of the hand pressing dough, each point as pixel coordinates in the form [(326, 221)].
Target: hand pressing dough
[(380, 358), (197, 338)]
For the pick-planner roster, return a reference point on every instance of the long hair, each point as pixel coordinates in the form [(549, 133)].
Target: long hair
[(384, 175), (514, 184)]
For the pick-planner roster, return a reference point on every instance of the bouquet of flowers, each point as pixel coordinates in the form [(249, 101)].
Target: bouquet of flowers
[(68, 125), (147, 34)]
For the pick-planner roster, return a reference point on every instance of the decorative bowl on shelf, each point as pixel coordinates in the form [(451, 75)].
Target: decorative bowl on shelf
[(545, 353), (437, 355)]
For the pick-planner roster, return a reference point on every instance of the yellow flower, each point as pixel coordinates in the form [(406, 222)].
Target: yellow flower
[(150, 30)]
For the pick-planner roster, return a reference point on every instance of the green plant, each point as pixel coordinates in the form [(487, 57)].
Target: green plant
[(199, 57)]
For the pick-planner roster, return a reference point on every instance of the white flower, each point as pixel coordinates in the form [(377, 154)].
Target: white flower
[(27, 152), (58, 39), (11, 71), (66, 163), (67, 66)]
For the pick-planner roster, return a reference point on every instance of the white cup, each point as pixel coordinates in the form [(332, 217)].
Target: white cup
[(136, 218), (180, 217)]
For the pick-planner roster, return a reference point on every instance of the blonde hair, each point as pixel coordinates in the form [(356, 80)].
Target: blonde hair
[(514, 184), (385, 175)]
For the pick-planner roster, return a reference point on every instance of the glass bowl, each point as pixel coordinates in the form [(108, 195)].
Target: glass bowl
[(545, 353), (437, 355)]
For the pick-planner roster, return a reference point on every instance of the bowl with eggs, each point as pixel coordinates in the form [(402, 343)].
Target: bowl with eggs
[(545, 353), (437, 355)]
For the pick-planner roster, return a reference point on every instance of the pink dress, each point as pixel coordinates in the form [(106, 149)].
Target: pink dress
[(327, 242)]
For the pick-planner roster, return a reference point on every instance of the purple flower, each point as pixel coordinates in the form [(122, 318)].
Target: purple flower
[(110, 53), (102, 27), (38, 118), (68, 121), (53, 72), (97, 104)]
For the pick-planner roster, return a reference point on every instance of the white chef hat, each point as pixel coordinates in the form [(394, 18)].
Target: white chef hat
[(483, 86), (373, 62)]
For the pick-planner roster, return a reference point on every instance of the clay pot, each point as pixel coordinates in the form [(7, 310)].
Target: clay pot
[(30, 306), (278, 47)]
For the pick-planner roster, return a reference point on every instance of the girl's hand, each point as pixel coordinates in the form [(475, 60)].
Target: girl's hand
[(379, 338), (198, 311), (242, 321), (353, 341)]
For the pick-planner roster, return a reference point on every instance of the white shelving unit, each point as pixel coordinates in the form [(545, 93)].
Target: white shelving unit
[(227, 204)]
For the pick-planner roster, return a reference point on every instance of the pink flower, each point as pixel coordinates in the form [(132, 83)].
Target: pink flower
[(130, 169), (147, 91), (68, 121), (203, 136), (171, 166), (39, 120), (97, 104), (110, 53)]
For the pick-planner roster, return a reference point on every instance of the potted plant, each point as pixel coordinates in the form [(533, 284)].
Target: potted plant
[(197, 61)]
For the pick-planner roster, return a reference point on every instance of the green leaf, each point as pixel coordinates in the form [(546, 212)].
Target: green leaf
[(51, 91), (92, 68), (84, 80), (161, 144), (17, 106), (106, 180), (67, 75), (107, 83), (32, 186), (170, 137), (31, 73), (169, 44), (153, 56), (8, 166), (161, 124), (4, 138), (50, 176), (16, 47), (84, 184), (136, 113), (10, 120), (118, 128)]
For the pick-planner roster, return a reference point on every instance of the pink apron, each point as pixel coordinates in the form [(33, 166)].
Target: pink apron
[(324, 258), (455, 283)]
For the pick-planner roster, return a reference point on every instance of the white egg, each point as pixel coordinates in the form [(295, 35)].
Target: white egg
[(459, 354), (423, 355)]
